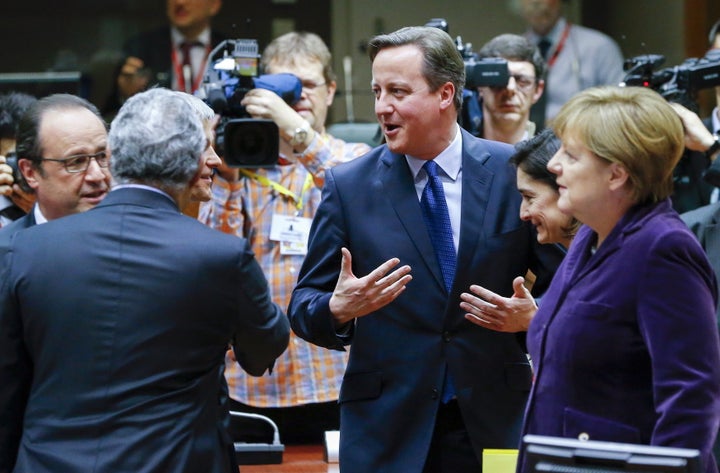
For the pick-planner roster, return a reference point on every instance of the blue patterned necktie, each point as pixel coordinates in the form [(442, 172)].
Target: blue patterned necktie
[(437, 220)]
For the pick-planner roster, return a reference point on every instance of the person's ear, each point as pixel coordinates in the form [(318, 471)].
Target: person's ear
[(447, 95), (29, 172), (331, 89), (538, 91), (215, 6), (618, 176)]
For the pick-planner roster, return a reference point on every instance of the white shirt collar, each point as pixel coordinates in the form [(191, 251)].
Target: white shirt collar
[(177, 37), (449, 159), (39, 217)]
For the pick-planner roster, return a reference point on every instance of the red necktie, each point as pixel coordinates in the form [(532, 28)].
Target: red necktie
[(188, 74)]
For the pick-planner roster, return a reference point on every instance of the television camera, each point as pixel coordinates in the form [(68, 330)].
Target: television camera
[(485, 72), (479, 72), (678, 84), (232, 71)]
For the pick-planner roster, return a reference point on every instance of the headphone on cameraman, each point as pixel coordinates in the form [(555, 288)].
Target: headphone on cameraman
[(714, 31)]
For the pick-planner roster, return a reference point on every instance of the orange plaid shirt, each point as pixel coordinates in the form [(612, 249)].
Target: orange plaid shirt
[(304, 373)]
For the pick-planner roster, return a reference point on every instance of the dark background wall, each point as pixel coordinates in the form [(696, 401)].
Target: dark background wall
[(87, 35)]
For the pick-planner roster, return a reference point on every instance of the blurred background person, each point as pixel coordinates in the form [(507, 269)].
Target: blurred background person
[(540, 194), (301, 393), (693, 189), (713, 122), (174, 56), (704, 221), (153, 379), (635, 275), (577, 57), (16, 198), (506, 110)]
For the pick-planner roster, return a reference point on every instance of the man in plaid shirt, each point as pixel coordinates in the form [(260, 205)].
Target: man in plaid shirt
[(273, 207)]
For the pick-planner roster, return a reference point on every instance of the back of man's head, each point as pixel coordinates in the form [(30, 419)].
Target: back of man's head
[(514, 48), (156, 139)]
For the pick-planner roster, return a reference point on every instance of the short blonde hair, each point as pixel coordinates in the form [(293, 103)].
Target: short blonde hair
[(632, 126)]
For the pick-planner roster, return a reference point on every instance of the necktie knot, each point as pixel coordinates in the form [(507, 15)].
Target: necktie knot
[(431, 168), (544, 47), (186, 47)]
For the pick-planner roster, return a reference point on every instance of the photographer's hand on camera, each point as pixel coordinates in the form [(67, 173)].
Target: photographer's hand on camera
[(133, 77), (262, 103), (6, 178), (697, 136)]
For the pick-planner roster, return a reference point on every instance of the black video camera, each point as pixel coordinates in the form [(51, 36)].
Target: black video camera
[(479, 72), (678, 84), (232, 71)]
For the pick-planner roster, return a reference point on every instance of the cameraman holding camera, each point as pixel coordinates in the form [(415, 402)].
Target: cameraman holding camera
[(16, 198), (506, 110), (273, 207), (703, 220)]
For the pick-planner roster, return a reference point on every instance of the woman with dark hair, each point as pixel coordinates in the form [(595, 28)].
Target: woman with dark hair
[(540, 191), (539, 206)]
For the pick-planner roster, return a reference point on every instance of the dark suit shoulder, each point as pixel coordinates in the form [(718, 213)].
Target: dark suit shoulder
[(9, 230), (492, 153), (366, 164)]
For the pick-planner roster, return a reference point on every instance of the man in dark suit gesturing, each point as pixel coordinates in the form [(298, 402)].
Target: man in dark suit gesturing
[(114, 322), (425, 390)]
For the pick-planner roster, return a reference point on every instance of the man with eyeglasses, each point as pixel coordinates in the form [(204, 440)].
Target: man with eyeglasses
[(62, 153), (260, 204), (506, 110)]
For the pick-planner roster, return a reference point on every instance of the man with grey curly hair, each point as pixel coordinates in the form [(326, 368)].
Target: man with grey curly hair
[(114, 322)]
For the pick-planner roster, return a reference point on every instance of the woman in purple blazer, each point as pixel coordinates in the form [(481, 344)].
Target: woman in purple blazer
[(625, 345)]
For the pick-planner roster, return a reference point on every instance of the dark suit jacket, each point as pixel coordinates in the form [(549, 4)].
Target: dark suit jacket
[(122, 315), (154, 48), (625, 343), (704, 222), (391, 389), (6, 232)]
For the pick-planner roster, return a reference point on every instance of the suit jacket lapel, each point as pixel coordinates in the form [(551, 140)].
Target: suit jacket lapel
[(476, 187), (397, 181)]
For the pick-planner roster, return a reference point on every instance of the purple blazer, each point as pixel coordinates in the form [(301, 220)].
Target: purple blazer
[(625, 344)]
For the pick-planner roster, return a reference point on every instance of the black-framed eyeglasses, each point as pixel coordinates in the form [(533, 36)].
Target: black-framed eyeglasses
[(81, 162), (522, 82)]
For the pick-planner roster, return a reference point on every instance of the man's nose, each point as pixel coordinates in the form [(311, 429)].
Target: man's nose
[(95, 172)]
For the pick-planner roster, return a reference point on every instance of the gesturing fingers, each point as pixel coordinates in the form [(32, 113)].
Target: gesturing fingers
[(354, 297)]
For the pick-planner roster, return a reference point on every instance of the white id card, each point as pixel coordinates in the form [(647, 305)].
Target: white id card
[(292, 233)]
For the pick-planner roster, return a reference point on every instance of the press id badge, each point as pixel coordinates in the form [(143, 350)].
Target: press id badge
[(292, 233)]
